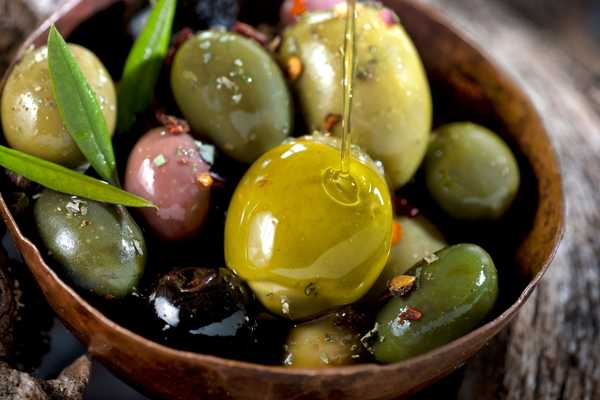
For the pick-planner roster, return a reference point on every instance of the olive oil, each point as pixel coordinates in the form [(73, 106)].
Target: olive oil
[(349, 64), (340, 184)]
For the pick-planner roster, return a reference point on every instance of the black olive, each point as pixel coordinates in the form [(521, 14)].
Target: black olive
[(204, 14), (204, 310)]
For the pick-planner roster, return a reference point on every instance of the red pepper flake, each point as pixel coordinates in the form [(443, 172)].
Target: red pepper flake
[(180, 38), (410, 314), (404, 209), (251, 33), (331, 120), (397, 233), (173, 125), (298, 8)]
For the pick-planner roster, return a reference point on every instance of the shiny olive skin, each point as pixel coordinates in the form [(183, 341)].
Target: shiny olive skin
[(30, 117), (204, 309), (231, 91), (323, 343), (420, 238), (98, 246), (470, 172), (168, 170), (392, 101), (455, 293), (301, 250)]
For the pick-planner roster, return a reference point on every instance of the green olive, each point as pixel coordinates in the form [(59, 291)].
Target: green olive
[(30, 117), (303, 246), (232, 91), (99, 246), (321, 343), (452, 296), (392, 102), (420, 238), (470, 172)]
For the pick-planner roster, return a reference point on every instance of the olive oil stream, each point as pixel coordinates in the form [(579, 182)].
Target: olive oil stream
[(340, 184)]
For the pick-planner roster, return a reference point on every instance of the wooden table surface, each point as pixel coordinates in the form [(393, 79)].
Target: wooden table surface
[(552, 349)]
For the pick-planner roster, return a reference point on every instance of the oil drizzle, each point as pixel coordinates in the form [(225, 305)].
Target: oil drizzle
[(339, 183), (349, 64)]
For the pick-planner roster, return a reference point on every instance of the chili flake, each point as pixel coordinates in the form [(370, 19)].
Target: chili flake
[(173, 125), (409, 314), (298, 8), (331, 120), (397, 233)]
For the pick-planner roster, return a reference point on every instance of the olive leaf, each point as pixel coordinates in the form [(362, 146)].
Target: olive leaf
[(144, 63), (64, 180), (79, 108)]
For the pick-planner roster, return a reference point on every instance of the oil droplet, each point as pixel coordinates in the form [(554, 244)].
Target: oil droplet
[(341, 187)]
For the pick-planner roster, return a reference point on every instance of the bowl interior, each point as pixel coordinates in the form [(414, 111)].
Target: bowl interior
[(465, 86)]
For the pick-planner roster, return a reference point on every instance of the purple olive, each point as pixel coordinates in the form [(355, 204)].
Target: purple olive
[(167, 169)]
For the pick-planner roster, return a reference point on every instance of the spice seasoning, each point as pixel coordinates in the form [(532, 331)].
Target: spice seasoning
[(294, 68), (401, 285)]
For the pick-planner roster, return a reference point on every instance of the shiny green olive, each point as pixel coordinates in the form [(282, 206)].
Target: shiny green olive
[(99, 246), (303, 242), (325, 342), (470, 172), (420, 238), (232, 91), (30, 117), (452, 296), (392, 101)]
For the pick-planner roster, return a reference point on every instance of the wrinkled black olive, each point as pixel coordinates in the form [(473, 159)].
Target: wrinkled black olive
[(204, 310), (204, 14)]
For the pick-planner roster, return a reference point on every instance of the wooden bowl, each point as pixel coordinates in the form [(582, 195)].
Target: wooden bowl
[(465, 85)]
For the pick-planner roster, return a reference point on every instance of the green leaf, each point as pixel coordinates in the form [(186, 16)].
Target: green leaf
[(79, 108), (64, 180), (144, 63)]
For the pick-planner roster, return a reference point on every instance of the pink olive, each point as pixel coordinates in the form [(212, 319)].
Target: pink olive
[(167, 169)]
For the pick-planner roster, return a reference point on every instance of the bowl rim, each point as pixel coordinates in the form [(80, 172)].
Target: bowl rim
[(89, 8)]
